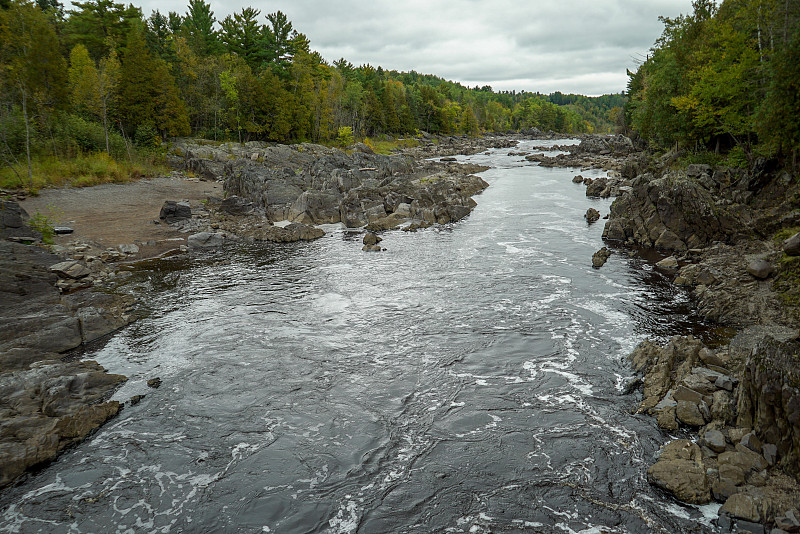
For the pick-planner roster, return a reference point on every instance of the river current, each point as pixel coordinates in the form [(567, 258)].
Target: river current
[(468, 379)]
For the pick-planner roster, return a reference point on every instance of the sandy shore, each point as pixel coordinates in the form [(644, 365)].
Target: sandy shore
[(115, 214)]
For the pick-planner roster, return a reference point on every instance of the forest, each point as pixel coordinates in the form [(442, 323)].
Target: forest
[(103, 85), (723, 80)]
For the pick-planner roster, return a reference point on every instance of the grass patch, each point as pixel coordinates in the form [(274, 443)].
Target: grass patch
[(385, 145), (82, 170), (785, 234), (787, 282)]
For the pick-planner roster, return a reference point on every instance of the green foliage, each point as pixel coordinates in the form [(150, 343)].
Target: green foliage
[(147, 137), (723, 78), (345, 136), (43, 225)]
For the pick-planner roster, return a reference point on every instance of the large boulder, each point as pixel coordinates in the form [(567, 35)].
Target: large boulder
[(673, 213), (174, 211), (313, 207), (680, 471), (47, 408), (13, 221), (205, 240)]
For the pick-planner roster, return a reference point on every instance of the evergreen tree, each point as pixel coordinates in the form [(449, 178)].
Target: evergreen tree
[(198, 28), (100, 24)]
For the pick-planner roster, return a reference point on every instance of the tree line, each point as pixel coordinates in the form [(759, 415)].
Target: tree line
[(103, 77), (725, 78)]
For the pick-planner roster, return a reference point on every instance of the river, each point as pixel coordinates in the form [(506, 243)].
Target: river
[(468, 379)]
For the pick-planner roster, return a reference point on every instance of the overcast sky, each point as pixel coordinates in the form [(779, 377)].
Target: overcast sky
[(572, 46)]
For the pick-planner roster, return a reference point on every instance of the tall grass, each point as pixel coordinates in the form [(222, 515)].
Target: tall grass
[(81, 170)]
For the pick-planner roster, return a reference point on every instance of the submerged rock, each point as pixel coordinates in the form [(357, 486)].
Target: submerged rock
[(205, 240), (600, 257)]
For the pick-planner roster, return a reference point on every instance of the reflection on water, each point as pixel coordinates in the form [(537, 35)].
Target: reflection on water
[(468, 379)]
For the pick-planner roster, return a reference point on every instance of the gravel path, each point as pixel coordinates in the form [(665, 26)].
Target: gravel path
[(115, 214)]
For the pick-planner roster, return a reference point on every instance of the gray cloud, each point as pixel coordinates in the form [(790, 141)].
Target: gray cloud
[(580, 46)]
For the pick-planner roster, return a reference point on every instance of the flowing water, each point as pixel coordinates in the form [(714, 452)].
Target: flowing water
[(468, 379)]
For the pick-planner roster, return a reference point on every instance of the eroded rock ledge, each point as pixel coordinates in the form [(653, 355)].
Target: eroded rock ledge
[(46, 403), (312, 185)]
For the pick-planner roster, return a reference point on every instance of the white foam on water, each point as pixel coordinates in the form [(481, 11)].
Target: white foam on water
[(346, 519)]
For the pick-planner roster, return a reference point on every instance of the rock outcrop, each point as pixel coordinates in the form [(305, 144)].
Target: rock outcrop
[(674, 212), (47, 407), (746, 408), (47, 404)]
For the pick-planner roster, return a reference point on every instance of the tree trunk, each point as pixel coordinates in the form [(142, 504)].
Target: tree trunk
[(105, 127), (27, 133)]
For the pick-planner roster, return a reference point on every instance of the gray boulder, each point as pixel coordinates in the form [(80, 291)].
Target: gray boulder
[(675, 213), (174, 211), (235, 205), (314, 207), (791, 246), (760, 269), (205, 240), (70, 269)]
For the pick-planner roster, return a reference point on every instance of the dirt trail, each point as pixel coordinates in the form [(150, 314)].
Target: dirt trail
[(115, 214)]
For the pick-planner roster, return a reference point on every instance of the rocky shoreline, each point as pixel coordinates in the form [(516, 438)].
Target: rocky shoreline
[(730, 236)]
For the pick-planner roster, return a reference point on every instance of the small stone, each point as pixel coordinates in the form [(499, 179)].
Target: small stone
[(760, 269), (733, 474), (788, 522), (70, 269), (748, 527), (668, 264), (751, 441), (736, 434), (128, 249), (770, 453), (682, 393), (371, 239), (792, 245), (592, 215), (666, 418), (577, 179), (722, 489), (205, 240), (136, 399), (154, 383), (62, 230), (724, 382), (715, 440), (689, 413), (724, 522)]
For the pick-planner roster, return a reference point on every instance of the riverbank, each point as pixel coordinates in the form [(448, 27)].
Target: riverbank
[(729, 236)]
